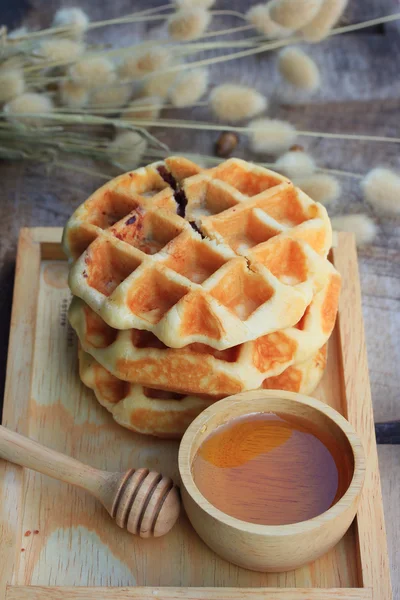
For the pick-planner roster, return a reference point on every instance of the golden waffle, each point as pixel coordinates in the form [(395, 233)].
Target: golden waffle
[(167, 414), (115, 200), (139, 356), (144, 410), (233, 282)]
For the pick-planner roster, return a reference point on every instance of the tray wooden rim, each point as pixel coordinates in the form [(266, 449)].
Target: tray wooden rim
[(36, 244)]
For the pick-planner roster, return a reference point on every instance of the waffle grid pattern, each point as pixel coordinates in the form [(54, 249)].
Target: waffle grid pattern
[(139, 356), (151, 270), (194, 284)]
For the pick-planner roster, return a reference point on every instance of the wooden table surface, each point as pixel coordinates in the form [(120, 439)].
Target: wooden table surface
[(360, 94)]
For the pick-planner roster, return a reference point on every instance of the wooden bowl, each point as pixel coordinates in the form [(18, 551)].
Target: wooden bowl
[(270, 547)]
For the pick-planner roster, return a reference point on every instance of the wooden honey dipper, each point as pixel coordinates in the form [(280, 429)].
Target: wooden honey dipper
[(144, 502)]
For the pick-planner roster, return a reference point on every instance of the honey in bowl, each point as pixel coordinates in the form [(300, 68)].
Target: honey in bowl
[(272, 469)]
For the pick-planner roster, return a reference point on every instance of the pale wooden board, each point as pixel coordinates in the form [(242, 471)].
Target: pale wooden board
[(77, 543), (358, 410), (53, 593)]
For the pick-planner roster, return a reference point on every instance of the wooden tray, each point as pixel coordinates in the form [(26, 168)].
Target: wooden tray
[(54, 537)]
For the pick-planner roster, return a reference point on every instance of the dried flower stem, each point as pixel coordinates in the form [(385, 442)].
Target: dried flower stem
[(232, 13), (364, 24), (341, 173), (215, 127), (88, 119), (226, 31), (129, 18), (142, 107), (276, 44), (216, 59), (192, 47)]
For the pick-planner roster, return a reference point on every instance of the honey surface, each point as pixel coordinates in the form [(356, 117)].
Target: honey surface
[(272, 469)]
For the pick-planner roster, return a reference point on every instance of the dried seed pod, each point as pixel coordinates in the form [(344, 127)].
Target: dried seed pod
[(93, 72), (259, 16), (73, 95), (143, 62), (271, 136), (127, 149), (298, 69), (381, 188), (363, 227), (60, 50), (293, 14), (321, 25), (188, 23), (296, 164), (75, 18), (159, 85), (12, 84), (112, 96), (226, 144), (233, 102), (321, 187), (26, 104), (189, 87), (146, 107)]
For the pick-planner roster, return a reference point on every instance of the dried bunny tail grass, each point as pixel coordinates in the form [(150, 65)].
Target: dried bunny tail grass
[(159, 85), (320, 187), (143, 62), (127, 149), (11, 84), (189, 87), (188, 23), (271, 136), (146, 107), (191, 3), (75, 18), (321, 25), (73, 95), (293, 14), (233, 102), (259, 17), (295, 164), (93, 72), (15, 34), (381, 188), (113, 96), (363, 227), (298, 69), (27, 104), (60, 50)]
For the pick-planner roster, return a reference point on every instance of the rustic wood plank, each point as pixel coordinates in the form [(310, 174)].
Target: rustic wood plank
[(370, 517), (15, 414), (54, 593), (72, 529), (389, 467)]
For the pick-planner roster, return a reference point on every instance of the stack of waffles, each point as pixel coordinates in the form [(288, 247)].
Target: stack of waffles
[(194, 284)]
